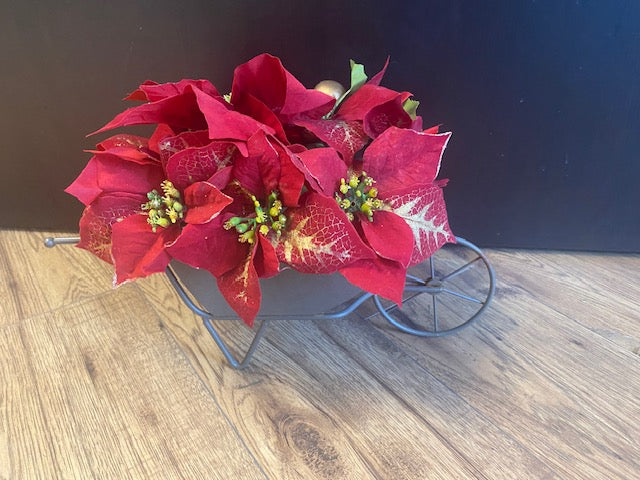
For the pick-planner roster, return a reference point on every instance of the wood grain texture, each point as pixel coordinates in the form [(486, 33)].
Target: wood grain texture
[(128, 384), (97, 389), (36, 279), (306, 411), (562, 389)]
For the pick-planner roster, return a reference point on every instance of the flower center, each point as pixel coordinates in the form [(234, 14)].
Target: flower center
[(358, 195), (164, 210), (264, 221)]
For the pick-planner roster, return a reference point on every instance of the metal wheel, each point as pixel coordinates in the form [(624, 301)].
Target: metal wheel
[(460, 282)]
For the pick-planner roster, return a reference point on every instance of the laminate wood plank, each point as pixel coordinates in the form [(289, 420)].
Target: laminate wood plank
[(600, 292), (37, 279), (103, 392), (556, 386), (493, 452), (307, 410)]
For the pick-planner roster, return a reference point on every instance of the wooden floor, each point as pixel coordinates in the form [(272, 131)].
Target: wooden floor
[(126, 383)]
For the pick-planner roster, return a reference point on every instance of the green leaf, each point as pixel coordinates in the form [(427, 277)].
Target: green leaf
[(358, 77), (411, 106)]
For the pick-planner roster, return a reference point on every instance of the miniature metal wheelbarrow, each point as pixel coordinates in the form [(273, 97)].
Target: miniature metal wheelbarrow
[(291, 295)]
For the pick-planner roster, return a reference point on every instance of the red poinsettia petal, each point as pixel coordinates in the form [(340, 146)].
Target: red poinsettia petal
[(221, 178), (180, 112), (173, 144), (432, 130), (401, 157), (423, 209), (379, 276), (139, 94), (96, 221), (319, 238), (291, 177), (246, 171), (151, 91), (326, 167), (301, 101), (386, 115), (389, 236), (108, 173), (251, 106), (347, 137), (241, 289), (377, 78), (224, 123), (209, 246), (291, 183), (264, 78), (137, 251), (357, 105), (161, 132), (267, 161), (204, 202), (196, 164), (266, 260), (127, 153), (124, 140)]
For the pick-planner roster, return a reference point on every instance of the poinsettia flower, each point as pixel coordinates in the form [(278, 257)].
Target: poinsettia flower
[(395, 204), (264, 185), (120, 178)]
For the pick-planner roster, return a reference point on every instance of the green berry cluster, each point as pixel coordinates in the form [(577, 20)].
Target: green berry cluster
[(164, 210), (358, 195), (271, 218)]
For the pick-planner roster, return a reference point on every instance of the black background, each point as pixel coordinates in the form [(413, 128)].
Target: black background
[(543, 97)]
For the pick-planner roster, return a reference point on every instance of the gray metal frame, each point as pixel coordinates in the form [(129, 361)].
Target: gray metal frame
[(432, 285)]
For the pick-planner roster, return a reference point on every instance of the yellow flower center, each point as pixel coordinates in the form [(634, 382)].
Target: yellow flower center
[(358, 195), (164, 210)]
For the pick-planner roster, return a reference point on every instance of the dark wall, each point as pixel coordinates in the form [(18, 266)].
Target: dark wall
[(543, 97)]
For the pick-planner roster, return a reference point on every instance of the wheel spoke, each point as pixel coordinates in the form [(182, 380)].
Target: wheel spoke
[(432, 267), (460, 270), (461, 295), (393, 306), (413, 278), (435, 313)]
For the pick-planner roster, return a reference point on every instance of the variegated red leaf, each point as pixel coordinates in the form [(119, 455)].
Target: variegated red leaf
[(197, 164), (241, 288), (97, 219), (347, 137), (172, 144), (124, 140), (423, 208), (319, 238)]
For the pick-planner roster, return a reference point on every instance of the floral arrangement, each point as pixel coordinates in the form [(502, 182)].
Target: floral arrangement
[(322, 180)]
